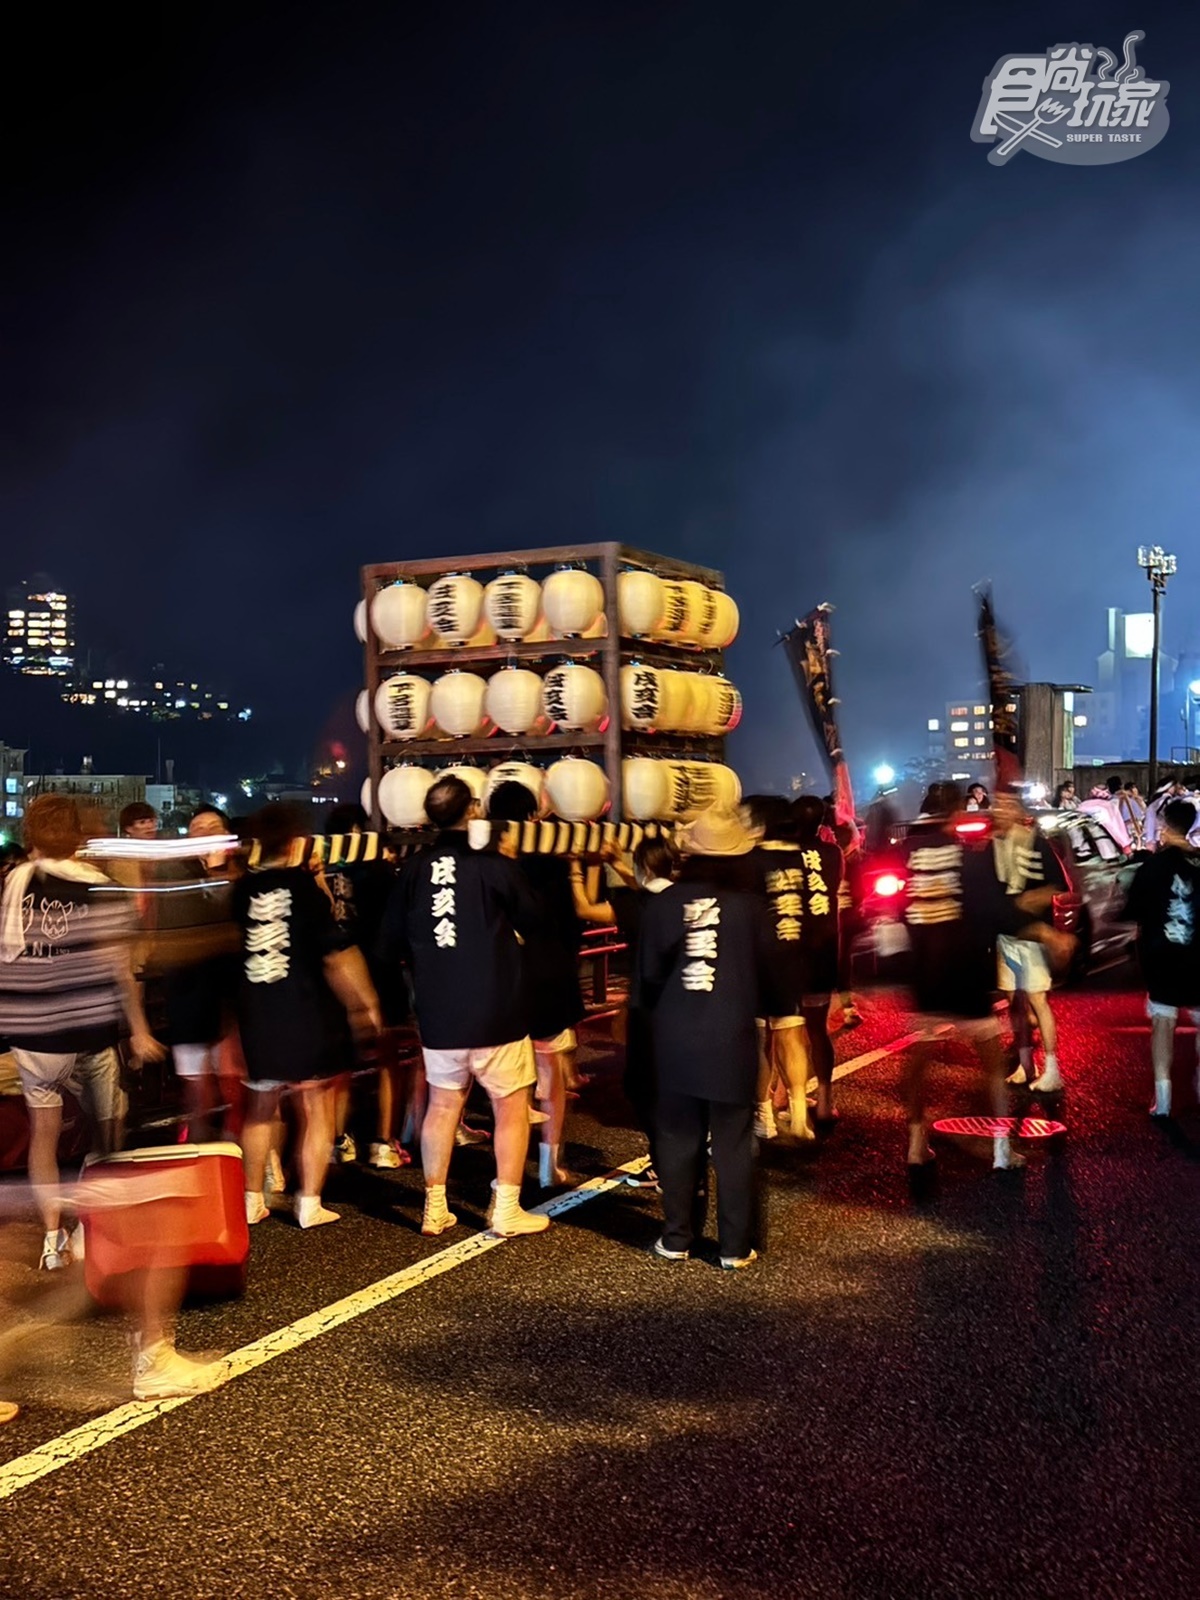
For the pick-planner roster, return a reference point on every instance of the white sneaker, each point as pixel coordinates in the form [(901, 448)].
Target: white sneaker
[(310, 1213), (345, 1150), (764, 1121), (738, 1263), (256, 1208), (1018, 1077), (77, 1245), (384, 1156), (1051, 1080), (1004, 1157), (438, 1217), (801, 1121), (506, 1215), (273, 1176), (56, 1251), (160, 1373), (660, 1249)]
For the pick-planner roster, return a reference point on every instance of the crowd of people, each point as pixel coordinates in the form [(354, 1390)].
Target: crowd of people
[(276, 986)]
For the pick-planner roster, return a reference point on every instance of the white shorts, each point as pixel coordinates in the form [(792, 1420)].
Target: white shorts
[(1156, 1008), (559, 1045), (502, 1069), (195, 1060), (1022, 965), (94, 1079), (778, 1024)]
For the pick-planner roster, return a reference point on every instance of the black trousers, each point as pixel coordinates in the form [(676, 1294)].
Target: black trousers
[(684, 1124)]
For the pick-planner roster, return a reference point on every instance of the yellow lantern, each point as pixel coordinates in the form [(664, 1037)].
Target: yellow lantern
[(641, 697), (514, 699), (398, 616), (402, 706), (572, 600), (402, 792), (524, 772), (577, 790), (474, 777), (678, 700), (360, 622), (455, 606), (685, 605), (539, 633), (457, 703), (511, 604), (722, 626), (646, 789), (573, 698), (640, 604), (723, 710), (707, 784)]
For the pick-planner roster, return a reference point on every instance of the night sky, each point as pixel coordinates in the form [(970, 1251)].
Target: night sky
[(298, 288)]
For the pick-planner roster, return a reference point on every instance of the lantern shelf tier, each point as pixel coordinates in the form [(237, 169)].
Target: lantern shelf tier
[(604, 648)]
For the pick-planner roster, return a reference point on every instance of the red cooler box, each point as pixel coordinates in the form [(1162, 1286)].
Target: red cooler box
[(178, 1205)]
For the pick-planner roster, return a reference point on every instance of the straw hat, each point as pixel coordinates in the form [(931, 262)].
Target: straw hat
[(716, 833)]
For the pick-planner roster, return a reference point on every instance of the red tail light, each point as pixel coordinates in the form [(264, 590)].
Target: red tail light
[(888, 885)]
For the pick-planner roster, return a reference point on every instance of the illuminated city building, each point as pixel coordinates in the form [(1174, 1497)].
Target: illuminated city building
[(39, 629)]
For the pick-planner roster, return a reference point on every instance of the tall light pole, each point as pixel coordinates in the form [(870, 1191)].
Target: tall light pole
[(1159, 566)]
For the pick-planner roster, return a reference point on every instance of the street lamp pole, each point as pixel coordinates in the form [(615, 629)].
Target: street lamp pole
[(1159, 566)]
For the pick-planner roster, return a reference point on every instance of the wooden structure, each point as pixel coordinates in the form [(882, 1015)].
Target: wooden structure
[(608, 655)]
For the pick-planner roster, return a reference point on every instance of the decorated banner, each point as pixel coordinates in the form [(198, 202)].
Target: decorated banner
[(811, 655), (1002, 692)]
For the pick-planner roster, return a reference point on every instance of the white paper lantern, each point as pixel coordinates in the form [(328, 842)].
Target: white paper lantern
[(707, 784), (402, 792), (362, 711), (577, 790), (640, 604), (474, 777), (514, 699), (398, 615), (573, 698), (723, 710), (364, 794), (641, 697), (678, 701), (457, 703), (722, 626), (455, 607), (512, 603), (524, 772), (402, 706), (360, 622), (646, 789), (572, 600), (685, 605)]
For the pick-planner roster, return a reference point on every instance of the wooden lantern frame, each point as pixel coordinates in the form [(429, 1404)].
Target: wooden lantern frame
[(610, 654)]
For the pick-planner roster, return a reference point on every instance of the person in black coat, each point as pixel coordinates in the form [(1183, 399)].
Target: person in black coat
[(704, 974), (458, 917), (552, 980)]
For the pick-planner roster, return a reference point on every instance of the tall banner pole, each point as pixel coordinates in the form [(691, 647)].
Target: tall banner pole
[(1002, 692), (810, 650)]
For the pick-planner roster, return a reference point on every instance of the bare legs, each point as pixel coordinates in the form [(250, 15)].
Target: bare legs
[(553, 1074), (45, 1125)]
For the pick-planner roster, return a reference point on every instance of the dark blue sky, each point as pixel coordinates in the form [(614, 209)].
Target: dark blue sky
[(298, 288)]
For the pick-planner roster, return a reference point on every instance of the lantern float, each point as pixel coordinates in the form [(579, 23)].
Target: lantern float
[(402, 706), (573, 698), (457, 703)]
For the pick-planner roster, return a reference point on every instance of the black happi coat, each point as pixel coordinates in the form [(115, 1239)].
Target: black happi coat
[(292, 1026), (705, 972), (455, 917), (1164, 901), (197, 992), (552, 950), (955, 908), (361, 891)]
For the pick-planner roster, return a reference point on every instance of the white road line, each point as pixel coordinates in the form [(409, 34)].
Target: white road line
[(94, 1435), (24, 1470)]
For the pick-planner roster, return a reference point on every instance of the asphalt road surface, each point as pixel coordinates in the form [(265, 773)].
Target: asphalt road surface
[(994, 1393)]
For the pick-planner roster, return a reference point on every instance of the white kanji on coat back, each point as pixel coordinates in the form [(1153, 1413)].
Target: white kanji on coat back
[(268, 937)]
